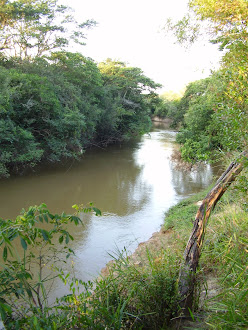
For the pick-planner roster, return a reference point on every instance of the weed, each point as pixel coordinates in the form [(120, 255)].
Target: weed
[(132, 296), (227, 252)]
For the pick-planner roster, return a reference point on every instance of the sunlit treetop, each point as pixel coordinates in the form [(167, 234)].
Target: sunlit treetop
[(225, 21), (30, 28)]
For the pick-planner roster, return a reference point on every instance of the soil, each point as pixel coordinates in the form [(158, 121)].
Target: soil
[(155, 245)]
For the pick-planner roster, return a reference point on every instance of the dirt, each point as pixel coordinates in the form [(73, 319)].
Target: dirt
[(154, 245)]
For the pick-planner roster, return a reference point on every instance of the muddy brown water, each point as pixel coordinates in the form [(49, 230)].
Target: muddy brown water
[(133, 184)]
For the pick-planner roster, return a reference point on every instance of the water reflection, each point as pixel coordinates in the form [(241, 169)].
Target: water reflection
[(189, 182), (106, 177), (133, 184)]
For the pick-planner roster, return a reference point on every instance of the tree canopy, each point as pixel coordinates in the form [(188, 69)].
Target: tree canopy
[(216, 119), (54, 103), (34, 28)]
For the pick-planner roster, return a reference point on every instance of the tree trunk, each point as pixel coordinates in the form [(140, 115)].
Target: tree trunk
[(193, 248)]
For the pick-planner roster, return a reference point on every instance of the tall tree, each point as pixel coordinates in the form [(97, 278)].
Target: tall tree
[(132, 91), (226, 23), (30, 28)]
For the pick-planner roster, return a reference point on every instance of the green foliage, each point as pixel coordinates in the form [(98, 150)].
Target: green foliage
[(56, 107), (182, 215), (213, 117), (220, 110), (32, 28), (196, 110), (35, 123), (194, 98), (133, 93), (129, 296), (53, 103), (167, 108), (19, 147), (231, 117), (224, 256), (29, 264)]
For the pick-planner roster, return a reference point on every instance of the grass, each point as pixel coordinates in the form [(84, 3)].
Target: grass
[(224, 257), (132, 297), (226, 253)]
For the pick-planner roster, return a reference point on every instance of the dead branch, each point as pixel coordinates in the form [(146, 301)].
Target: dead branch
[(193, 249)]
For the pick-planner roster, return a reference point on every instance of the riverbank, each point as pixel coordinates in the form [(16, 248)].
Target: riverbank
[(141, 291), (222, 277), (165, 121)]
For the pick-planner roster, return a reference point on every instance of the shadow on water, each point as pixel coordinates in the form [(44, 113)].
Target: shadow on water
[(105, 177)]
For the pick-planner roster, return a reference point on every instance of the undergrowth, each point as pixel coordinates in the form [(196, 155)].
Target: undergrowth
[(226, 253), (132, 297), (224, 256)]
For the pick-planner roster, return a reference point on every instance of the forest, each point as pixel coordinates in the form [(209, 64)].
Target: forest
[(212, 114), (55, 104)]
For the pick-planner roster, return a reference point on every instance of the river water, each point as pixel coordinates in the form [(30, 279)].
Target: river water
[(132, 184)]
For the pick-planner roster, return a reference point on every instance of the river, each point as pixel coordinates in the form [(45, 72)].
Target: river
[(132, 184)]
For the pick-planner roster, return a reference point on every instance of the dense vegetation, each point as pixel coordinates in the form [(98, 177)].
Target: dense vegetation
[(54, 103), (211, 123), (223, 268), (212, 114), (56, 107)]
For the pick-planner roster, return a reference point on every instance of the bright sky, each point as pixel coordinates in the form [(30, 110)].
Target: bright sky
[(131, 31)]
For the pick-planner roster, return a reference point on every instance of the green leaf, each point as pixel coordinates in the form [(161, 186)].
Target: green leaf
[(35, 321), (51, 216), (61, 239), (45, 218), (67, 238), (5, 253), (24, 244), (97, 211), (6, 308), (75, 219), (45, 234), (6, 240), (43, 205)]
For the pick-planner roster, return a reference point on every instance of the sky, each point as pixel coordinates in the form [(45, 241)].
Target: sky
[(132, 31)]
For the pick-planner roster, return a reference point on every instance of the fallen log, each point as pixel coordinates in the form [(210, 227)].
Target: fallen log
[(193, 249)]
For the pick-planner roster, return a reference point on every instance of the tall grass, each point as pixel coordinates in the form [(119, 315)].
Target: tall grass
[(132, 296), (224, 256), (226, 252)]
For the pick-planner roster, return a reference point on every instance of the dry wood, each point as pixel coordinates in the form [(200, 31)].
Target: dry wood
[(194, 245)]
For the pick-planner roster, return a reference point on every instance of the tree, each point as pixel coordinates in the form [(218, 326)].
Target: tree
[(54, 108), (226, 23), (30, 28), (132, 92), (193, 249)]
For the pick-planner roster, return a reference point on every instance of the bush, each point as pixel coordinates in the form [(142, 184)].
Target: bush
[(24, 243)]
